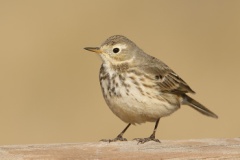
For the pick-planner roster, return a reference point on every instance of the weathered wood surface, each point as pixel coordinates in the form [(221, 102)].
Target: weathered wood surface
[(179, 149)]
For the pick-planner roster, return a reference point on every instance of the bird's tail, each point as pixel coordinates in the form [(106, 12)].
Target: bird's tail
[(197, 106)]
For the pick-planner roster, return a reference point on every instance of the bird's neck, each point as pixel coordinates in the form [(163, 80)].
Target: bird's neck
[(119, 67)]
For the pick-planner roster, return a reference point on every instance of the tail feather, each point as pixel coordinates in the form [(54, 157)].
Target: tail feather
[(197, 106)]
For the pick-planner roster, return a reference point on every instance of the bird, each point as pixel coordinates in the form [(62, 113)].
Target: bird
[(138, 87)]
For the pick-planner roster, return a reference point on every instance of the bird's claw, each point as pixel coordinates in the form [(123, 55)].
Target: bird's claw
[(118, 138), (144, 140)]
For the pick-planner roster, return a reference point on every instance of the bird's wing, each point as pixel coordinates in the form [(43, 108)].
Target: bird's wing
[(167, 79)]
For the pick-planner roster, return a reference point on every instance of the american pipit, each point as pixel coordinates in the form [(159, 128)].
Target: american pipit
[(140, 88)]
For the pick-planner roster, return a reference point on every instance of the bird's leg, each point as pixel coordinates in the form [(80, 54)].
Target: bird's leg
[(119, 137), (151, 138)]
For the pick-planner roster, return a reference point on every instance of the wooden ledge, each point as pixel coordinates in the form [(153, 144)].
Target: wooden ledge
[(167, 149)]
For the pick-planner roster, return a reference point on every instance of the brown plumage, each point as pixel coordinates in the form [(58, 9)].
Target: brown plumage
[(140, 88)]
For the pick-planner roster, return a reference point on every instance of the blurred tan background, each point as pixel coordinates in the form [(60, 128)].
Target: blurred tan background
[(49, 88)]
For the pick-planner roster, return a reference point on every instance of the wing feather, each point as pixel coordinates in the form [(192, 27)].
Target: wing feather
[(166, 79)]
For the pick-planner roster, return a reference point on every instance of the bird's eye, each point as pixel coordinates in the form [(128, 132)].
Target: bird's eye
[(116, 50)]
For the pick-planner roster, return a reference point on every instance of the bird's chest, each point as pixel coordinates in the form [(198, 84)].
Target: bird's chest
[(127, 88)]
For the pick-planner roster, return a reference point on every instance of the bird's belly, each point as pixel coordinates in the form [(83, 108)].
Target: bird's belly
[(134, 103), (131, 110)]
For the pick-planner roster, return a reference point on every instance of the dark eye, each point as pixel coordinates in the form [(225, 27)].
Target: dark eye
[(116, 50), (158, 77)]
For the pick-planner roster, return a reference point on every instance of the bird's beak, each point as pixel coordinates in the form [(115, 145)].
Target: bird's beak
[(94, 49)]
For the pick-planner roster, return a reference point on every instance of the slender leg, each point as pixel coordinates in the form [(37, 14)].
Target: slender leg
[(155, 129), (151, 138), (119, 137)]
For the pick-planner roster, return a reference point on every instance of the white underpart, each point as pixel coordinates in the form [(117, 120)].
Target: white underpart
[(133, 107)]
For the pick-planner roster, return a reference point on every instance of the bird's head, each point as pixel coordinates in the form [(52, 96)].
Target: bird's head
[(116, 50)]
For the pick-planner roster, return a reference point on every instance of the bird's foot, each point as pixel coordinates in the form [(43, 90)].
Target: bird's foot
[(144, 140), (118, 138)]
